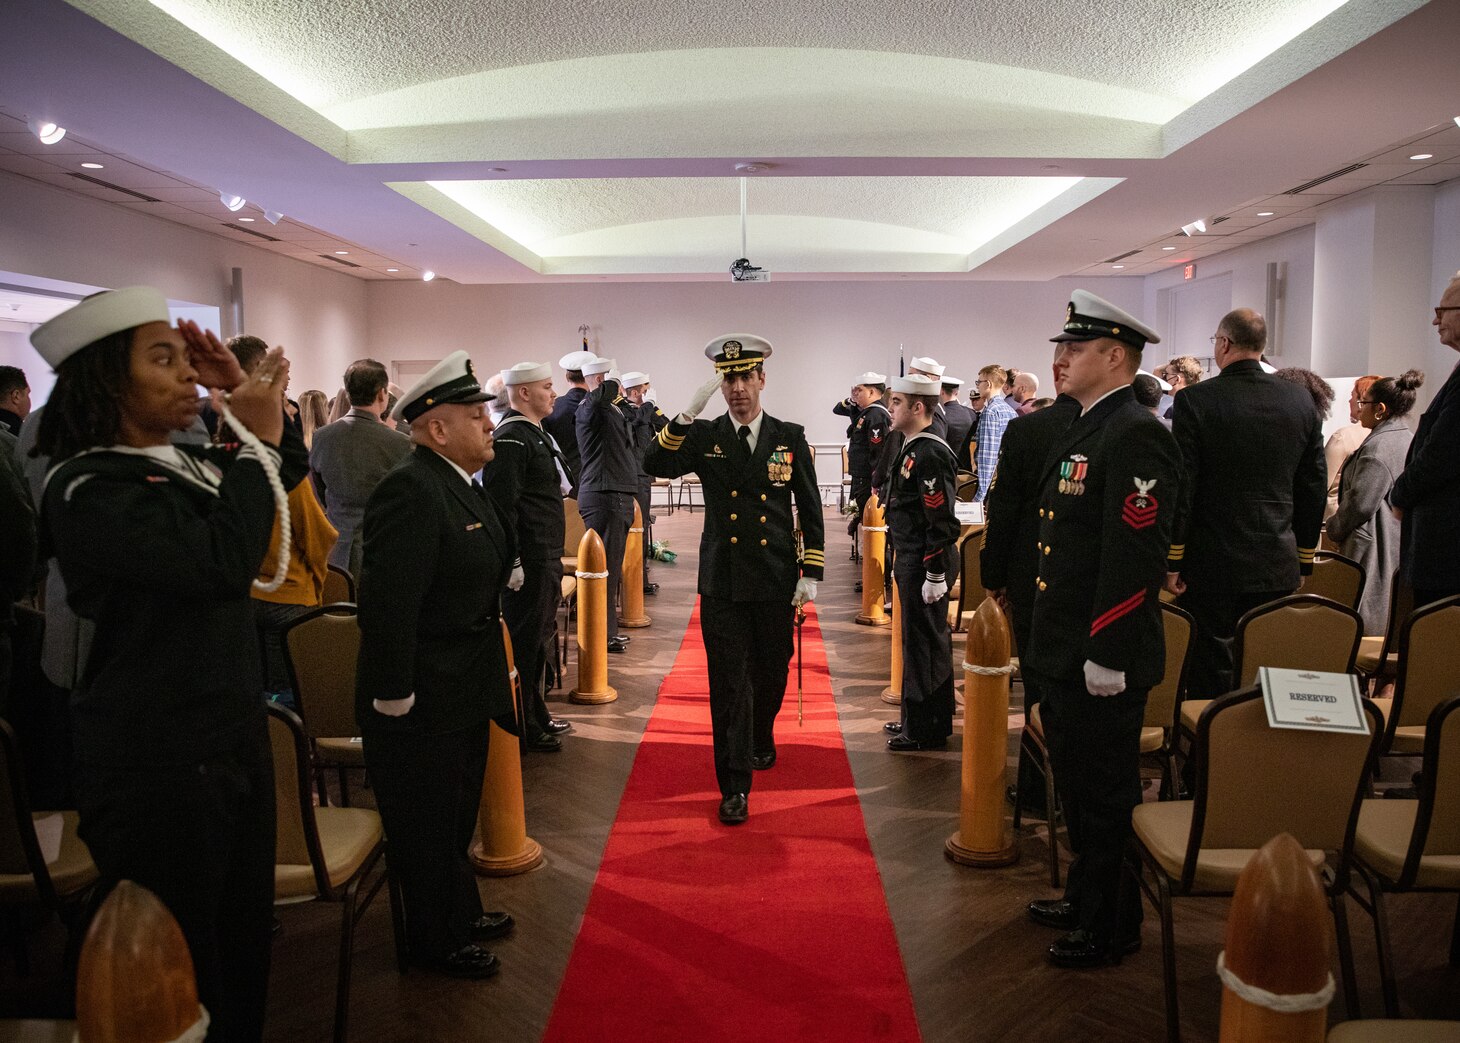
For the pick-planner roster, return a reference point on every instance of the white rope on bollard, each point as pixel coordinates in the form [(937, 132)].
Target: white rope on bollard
[(988, 671), (1297, 1003), (591, 575)]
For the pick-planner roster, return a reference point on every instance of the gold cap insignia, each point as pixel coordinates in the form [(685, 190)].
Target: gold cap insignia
[(732, 349)]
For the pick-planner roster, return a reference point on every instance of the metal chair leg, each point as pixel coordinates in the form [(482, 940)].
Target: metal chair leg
[(1168, 959), (1455, 938), (1346, 955), (347, 947), (1049, 820), (344, 788)]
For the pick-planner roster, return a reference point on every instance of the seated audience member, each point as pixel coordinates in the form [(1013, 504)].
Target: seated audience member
[(313, 414), (1342, 443), (1319, 390), (159, 545), (1363, 526)]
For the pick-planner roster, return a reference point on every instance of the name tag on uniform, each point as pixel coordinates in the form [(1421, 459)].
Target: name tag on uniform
[(1313, 701), (473, 526)]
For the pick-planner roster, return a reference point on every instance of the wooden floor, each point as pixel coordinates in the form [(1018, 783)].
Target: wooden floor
[(975, 965)]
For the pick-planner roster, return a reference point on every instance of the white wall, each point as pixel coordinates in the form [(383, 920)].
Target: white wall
[(319, 316), (1445, 265)]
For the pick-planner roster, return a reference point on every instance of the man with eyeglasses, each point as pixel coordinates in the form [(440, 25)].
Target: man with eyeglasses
[(1252, 500), (993, 416), (1426, 497)]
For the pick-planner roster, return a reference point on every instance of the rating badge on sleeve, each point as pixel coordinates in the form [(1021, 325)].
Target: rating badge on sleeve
[(1139, 511)]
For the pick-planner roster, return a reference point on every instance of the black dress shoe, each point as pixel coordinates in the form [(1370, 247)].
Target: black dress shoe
[(618, 644), (1056, 913), (470, 961), (762, 761), (545, 743), (557, 727), (651, 589), (893, 727), (1084, 949), (902, 744), (858, 587), (734, 809), (492, 925)]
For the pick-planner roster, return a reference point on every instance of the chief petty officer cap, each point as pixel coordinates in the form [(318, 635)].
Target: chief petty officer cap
[(927, 365), (916, 384), (95, 318), (598, 365), (737, 352), (1089, 317), (527, 373), (451, 382), (575, 360), (634, 378), (871, 378), (951, 382)]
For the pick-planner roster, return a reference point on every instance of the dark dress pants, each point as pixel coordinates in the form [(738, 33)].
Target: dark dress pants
[(1095, 744), (1213, 670), (531, 614), (428, 789), (200, 836), (748, 648), (1030, 785), (609, 514), (645, 497), (927, 659)]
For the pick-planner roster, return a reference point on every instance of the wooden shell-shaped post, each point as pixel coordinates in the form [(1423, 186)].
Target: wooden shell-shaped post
[(502, 846), (985, 836), (893, 692), (874, 564), (593, 686), (135, 981), (1278, 939), (633, 614)]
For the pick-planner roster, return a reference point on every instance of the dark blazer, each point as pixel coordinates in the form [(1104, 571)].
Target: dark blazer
[(1109, 490), (522, 480), (1255, 482), (17, 531), (1429, 494), (606, 442), (960, 430), (349, 458), (748, 549), (562, 424), (1009, 559), (647, 421), (920, 514), (437, 555)]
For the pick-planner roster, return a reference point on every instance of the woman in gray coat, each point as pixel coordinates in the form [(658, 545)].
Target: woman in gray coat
[(1364, 527)]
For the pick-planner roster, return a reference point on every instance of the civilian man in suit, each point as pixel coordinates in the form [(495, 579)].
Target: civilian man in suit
[(349, 458), (959, 421), (1426, 497), (1252, 497), (754, 469), (562, 423), (433, 670), (1096, 643), (609, 480), (647, 420)]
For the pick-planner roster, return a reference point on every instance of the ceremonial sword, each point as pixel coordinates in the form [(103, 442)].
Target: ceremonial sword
[(800, 619)]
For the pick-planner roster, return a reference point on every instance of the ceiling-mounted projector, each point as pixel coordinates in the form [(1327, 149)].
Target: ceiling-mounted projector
[(741, 270)]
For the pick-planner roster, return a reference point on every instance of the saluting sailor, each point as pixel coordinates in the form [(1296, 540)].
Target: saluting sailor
[(758, 479), (866, 439), (1096, 643)]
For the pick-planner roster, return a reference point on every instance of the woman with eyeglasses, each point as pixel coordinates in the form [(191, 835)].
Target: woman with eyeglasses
[(1363, 527)]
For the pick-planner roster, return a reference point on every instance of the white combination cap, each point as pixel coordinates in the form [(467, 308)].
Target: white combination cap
[(950, 382), (1088, 317), (527, 373), (95, 318), (737, 352), (1164, 385)]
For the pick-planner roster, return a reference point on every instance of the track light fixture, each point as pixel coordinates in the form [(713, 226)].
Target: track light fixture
[(1194, 227), (48, 132), (427, 275), (273, 216), (232, 202)]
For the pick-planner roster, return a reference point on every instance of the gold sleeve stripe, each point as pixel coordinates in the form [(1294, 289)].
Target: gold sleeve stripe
[(669, 440), (815, 557), (1305, 554), (1177, 552)]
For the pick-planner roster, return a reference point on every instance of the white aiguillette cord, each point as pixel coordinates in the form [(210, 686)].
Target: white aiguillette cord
[(281, 497)]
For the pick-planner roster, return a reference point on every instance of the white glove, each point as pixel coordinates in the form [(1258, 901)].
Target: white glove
[(1101, 681), (805, 591), (614, 374), (702, 398), (394, 707), (933, 589), (514, 581)]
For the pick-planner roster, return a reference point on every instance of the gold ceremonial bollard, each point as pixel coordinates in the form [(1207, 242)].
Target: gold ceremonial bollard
[(593, 686), (1278, 933), (985, 836), (874, 564), (633, 583), (893, 692), (502, 846)]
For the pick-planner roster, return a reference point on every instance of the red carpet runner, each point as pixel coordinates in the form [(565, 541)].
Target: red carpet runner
[(777, 929)]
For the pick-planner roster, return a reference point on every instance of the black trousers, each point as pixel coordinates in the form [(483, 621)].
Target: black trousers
[(1095, 744), (645, 496), (428, 789), (1213, 671), (748, 647), (531, 615), (609, 514), (201, 837), (927, 657)]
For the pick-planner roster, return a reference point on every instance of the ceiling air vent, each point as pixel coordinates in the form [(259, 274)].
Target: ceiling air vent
[(249, 231), (115, 188), (1218, 220), (1120, 257), (1326, 177), (338, 260)]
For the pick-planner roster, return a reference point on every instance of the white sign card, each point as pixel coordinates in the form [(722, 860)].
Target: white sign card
[(968, 513), (1313, 701)]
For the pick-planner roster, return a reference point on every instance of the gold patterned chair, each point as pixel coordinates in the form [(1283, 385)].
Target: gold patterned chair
[(339, 586)]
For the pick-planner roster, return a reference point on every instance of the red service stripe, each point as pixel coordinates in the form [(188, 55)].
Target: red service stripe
[(1125, 608)]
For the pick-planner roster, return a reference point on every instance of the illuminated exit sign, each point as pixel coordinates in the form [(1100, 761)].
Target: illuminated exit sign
[(1189, 272)]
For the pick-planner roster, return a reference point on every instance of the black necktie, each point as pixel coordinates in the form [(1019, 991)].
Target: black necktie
[(745, 438), (476, 487)]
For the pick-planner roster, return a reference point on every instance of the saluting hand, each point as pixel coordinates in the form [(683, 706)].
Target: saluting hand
[(217, 366), (702, 398), (258, 402)]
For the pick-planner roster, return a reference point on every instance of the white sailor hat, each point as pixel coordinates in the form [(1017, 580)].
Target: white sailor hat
[(97, 317), (916, 384), (1088, 317), (1164, 385), (951, 382), (633, 379), (927, 365), (451, 382), (527, 373), (737, 352), (871, 378), (575, 360), (598, 365)]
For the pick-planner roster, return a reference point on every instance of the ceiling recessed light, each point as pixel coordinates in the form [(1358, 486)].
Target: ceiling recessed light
[(1264, 213), (1168, 247), (392, 269), (1423, 155), (342, 253), (247, 220), (427, 275), (48, 132), (496, 170), (1117, 266), (93, 166)]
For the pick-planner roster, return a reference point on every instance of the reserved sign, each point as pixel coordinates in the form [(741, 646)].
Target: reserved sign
[(1314, 701)]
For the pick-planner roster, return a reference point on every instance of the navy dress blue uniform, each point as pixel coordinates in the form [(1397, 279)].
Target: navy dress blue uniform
[(960, 420), (867, 436), (1106, 505), (648, 420), (562, 424), (609, 480), (1254, 491), (924, 533), (1429, 494), (523, 481), (748, 570), (437, 556)]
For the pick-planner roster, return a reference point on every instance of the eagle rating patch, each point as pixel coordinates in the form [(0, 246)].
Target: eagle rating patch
[(933, 498), (1139, 511)]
